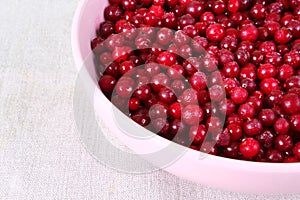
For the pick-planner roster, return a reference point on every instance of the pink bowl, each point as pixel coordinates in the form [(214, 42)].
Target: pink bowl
[(223, 173)]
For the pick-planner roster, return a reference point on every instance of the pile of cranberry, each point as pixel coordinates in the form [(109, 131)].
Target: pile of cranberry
[(222, 76)]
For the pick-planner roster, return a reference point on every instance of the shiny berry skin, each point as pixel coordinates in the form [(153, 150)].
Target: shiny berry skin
[(233, 5), (167, 96), (143, 93), (246, 111), (189, 96), (274, 155), (231, 69), (157, 10), (295, 122), (266, 71), (107, 83), (159, 81), (126, 66), (133, 104), (169, 20), (175, 110), (229, 42), (129, 5), (166, 58), (217, 93), (192, 114), (269, 84), (198, 81), (125, 87), (239, 95), (258, 11), (252, 127), (284, 72), (249, 147), (185, 20), (235, 131), (267, 117), (282, 126), (113, 13), (197, 133), (195, 9), (249, 32), (292, 58), (284, 143), (242, 57), (283, 36), (290, 103), (266, 138), (176, 72), (215, 32), (296, 150), (219, 7)]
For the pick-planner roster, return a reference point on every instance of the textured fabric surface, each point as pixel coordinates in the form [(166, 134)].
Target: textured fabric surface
[(41, 156)]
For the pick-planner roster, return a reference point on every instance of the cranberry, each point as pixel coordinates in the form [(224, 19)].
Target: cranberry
[(234, 119), (178, 86), (198, 81), (166, 58), (292, 82), (269, 84), (249, 32), (292, 58), (113, 13), (266, 138), (107, 83), (219, 7), (258, 11), (185, 20), (249, 148), (231, 69), (126, 66), (215, 32), (197, 133), (252, 127), (284, 143), (199, 44), (232, 150), (159, 81), (229, 43), (242, 56), (282, 126), (217, 93), (233, 5), (296, 150), (267, 117), (290, 103), (195, 9), (124, 87), (169, 20), (167, 96), (246, 111), (274, 155), (175, 110), (239, 95), (283, 36), (207, 17), (295, 122), (249, 85), (294, 27), (180, 38), (176, 71), (257, 57), (192, 114), (189, 96), (266, 71)]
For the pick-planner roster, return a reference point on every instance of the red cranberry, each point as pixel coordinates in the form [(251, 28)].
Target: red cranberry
[(231, 69), (175, 110), (249, 32), (292, 82), (249, 148), (252, 127), (178, 86), (269, 84), (159, 81), (126, 66), (197, 133), (266, 71), (124, 87), (107, 83), (189, 96), (239, 95), (215, 32), (166, 58), (256, 102), (195, 9), (257, 57), (113, 13), (267, 117), (266, 138), (258, 11), (284, 143), (282, 126), (129, 5), (233, 5), (219, 7), (246, 111), (235, 131), (133, 104), (295, 122), (198, 81), (283, 36), (167, 96), (234, 119), (192, 114), (296, 150), (290, 103), (199, 44), (292, 58), (274, 155), (185, 20)]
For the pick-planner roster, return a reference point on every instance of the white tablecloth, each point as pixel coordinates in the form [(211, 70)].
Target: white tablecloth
[(41, 156)]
